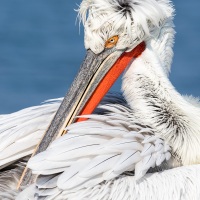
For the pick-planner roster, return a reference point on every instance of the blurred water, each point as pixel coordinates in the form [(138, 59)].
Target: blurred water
[(41, 50)]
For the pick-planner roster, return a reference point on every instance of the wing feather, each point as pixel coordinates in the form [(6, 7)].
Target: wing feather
[(127, 161), (21, 131), (110, 143), (100, 149)]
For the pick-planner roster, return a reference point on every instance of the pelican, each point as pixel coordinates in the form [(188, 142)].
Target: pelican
[(141, 144)]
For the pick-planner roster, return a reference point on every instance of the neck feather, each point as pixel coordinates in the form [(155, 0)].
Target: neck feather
[(162, 41), (156, 103)]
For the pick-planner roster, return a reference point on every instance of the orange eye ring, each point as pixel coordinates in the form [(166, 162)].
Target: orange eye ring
[(111, 42)]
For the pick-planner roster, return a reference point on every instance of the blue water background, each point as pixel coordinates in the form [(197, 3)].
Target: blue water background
[(41, 50)]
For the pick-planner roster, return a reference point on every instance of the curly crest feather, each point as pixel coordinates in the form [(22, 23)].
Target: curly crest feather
[(133, 20)]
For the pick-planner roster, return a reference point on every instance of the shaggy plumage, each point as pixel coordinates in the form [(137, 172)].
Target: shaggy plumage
[(153, 123), (132, 20)]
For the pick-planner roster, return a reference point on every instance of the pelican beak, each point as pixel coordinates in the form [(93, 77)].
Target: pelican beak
[(95, 77)]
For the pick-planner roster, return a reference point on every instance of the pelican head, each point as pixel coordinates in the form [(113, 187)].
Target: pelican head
[(133, 21)]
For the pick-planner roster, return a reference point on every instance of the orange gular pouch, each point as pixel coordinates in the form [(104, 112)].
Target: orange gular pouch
[(109, 79)]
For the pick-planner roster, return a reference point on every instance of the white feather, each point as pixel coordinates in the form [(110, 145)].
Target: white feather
[(18, 129), (93, 151)]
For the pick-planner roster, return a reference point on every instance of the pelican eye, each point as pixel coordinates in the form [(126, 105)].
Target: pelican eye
[(111, 42)]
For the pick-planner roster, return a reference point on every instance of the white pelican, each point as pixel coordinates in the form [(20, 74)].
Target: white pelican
[(152, 128)]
